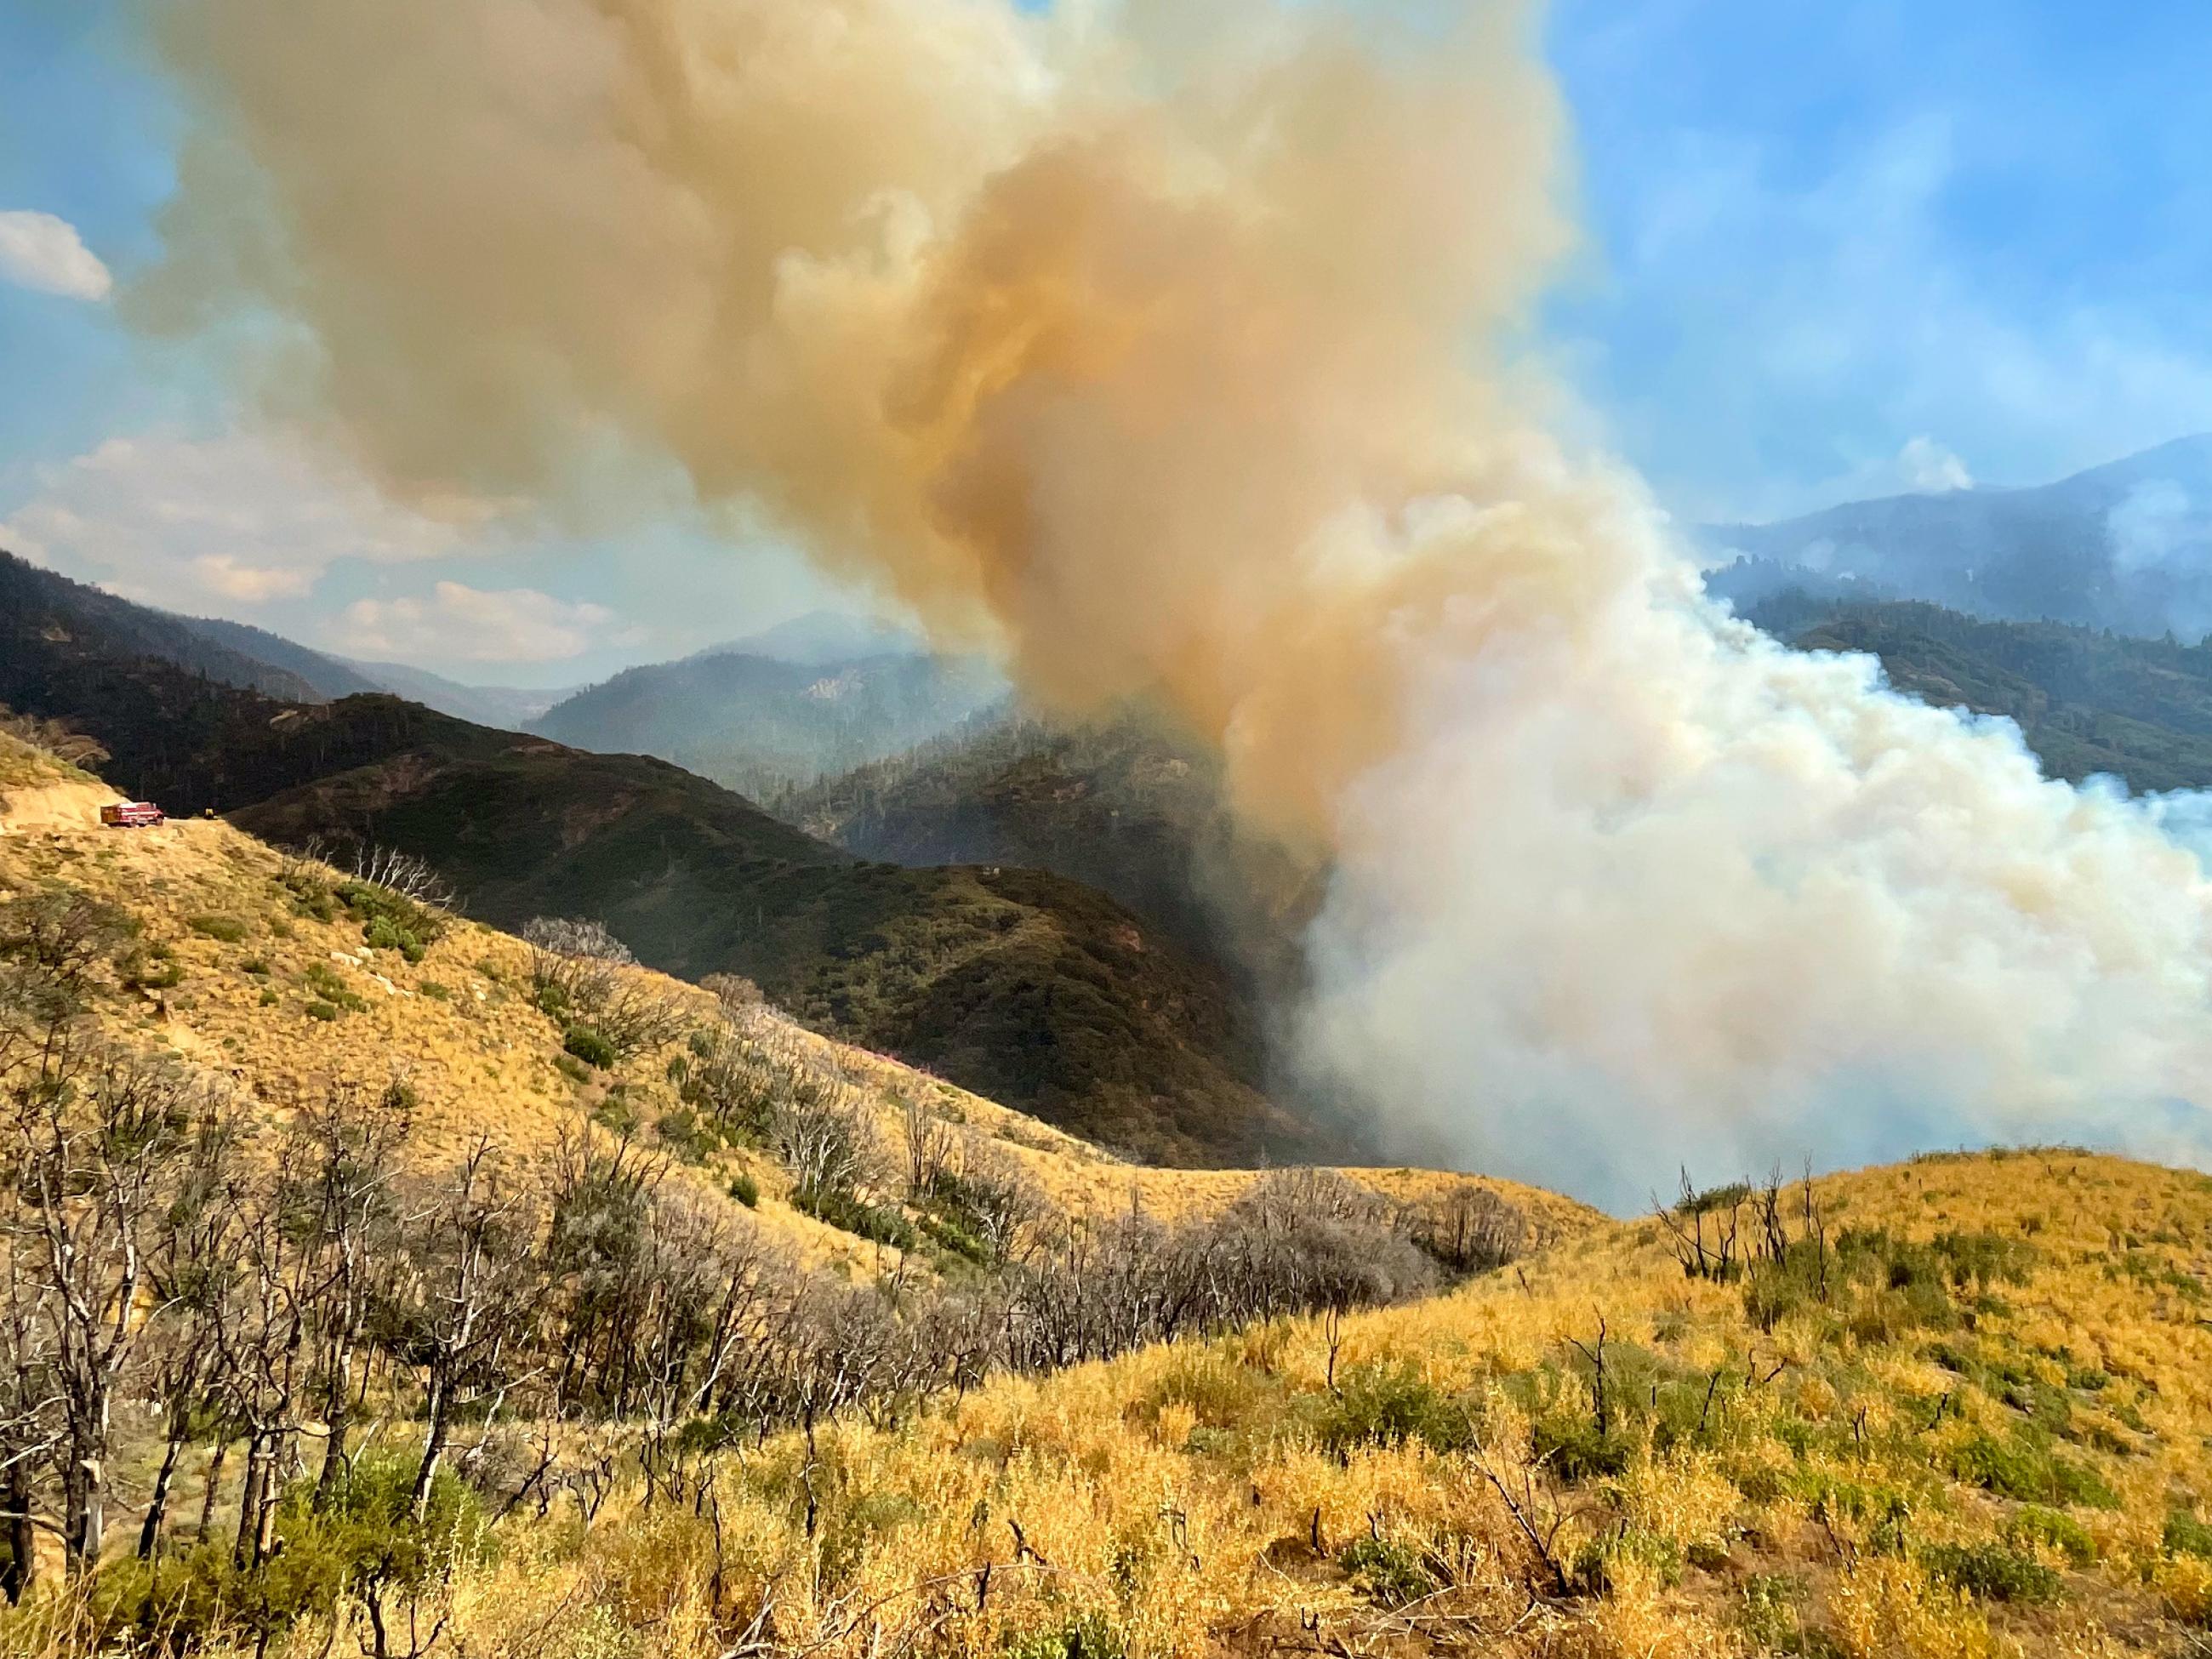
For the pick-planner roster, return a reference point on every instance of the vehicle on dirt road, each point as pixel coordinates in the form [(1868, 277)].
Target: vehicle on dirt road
[(132, 815)]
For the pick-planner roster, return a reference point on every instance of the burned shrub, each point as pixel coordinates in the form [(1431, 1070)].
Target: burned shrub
[(582, 976), (1474, 1231)]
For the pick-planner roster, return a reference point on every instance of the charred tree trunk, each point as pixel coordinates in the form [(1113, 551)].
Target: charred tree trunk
[(257, 1453), (433, 1447), (212, 1489), (157, 1506), (21, 1565)]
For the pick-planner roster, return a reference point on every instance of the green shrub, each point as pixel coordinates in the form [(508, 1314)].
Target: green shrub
[(2035, 1525), (693, 1138), (839, 1207), (322, 980), (270, 999), (229, 930), (382, 934), (1391, 1572), (1980, 1259), (322, 1010), (1570, 1445), (391, 921), (436, 992), (1089, 1636), (310, 894), (590, 1047), (615, 1113), (153, 969), (366, 1541), (1992, 1571), (745, 1190), (255, 966), (2024, 1469), (953, 1237), (2186, 1535), (1383, 1403), (1769, 1613), (1713, 1198)]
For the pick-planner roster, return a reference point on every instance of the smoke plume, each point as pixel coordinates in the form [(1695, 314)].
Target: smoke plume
[(1183, 350)]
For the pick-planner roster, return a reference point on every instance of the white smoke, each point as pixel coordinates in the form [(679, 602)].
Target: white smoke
[(1668, 893)]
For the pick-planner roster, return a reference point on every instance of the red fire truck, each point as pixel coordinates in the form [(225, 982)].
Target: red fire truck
[(132, 815)]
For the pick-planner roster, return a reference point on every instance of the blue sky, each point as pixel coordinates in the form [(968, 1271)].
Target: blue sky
[(1831, 250)]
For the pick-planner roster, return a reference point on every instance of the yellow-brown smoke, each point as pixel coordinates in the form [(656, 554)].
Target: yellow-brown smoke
[(1082, 328), (1174, 346)]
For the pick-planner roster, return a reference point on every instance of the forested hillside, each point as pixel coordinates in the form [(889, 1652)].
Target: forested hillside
[(1120, 804)]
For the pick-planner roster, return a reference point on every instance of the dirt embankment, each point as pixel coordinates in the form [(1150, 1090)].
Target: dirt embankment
[(48, 806)]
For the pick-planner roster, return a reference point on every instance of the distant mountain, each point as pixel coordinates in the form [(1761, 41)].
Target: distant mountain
[(330, 677), (1022, 985), (2087, 702), (508, 707), (759, 723), (2126, 546)]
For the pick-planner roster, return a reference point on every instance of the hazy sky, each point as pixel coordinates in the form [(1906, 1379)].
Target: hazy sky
[(1833, 251)]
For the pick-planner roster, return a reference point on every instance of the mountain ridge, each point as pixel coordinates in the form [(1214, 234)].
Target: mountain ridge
[(2126, 544)]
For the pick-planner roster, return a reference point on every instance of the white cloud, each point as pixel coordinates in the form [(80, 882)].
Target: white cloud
[(1929, 469), (468, 624), (184, 523), (40, 251)]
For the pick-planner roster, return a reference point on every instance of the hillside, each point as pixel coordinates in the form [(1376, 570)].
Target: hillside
[(2086, 701), (1965, 1413), (756, 723), (1117, 803), (1015, 982), (1957, 1406), (42, 616), (37, 602), (1018, 983), (2122, 546), (414, 1203), (232, 925)]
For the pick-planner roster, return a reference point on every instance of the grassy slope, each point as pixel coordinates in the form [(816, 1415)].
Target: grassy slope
[(2086, 701), (1926, 1463)]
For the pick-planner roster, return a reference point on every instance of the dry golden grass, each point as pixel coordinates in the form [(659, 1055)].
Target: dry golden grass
[(1234, 1497)]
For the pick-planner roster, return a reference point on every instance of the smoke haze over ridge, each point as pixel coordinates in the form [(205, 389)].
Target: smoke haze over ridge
[(1181, 357)]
